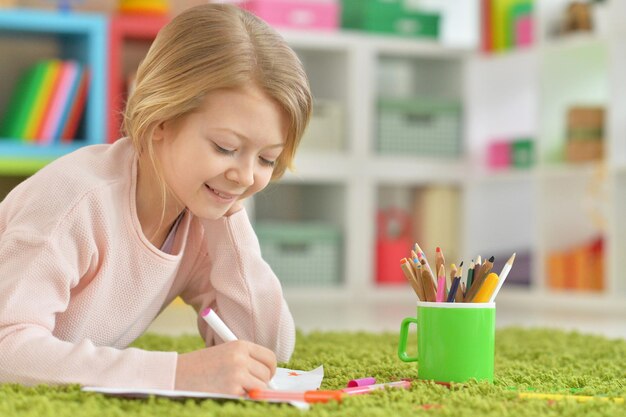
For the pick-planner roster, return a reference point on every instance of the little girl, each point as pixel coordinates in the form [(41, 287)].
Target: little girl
[(97, 243)]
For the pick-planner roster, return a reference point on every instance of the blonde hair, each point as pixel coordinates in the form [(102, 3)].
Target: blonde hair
[(210, 47)]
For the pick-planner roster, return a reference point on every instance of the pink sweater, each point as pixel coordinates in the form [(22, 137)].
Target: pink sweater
[(79, 281)]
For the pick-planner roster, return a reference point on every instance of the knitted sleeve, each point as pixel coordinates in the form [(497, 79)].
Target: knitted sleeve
[(241, 287), (38, 273)]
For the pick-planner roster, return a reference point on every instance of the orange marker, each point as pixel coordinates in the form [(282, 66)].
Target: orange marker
[(317, 396)]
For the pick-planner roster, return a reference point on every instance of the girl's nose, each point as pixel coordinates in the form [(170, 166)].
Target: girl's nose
[(242, 173)]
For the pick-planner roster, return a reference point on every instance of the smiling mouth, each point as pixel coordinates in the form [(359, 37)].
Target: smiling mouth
[(223, 196)]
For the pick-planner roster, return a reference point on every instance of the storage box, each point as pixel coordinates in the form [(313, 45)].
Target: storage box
[(577, 268), (300, 14), (302, 254), (392, 244), (419, 127), (389, 16), (499, 154), (585, 134), (523, 154), (325, 131)]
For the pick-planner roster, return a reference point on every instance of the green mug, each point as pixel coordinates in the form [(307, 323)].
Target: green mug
[(455, 341)]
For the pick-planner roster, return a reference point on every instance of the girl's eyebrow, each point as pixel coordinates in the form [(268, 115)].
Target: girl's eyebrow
[(244, 137), (278, 145)]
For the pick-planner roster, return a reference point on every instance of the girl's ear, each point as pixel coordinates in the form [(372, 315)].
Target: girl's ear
[(159, 132)]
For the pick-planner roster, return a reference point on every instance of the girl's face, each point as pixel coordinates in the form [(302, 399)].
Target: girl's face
[(223, 152)]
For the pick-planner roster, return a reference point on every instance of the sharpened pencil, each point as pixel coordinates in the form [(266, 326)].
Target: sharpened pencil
[(410, 277), (429, 283), (505, 272)]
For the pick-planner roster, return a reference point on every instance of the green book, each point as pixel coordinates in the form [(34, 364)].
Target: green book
[(22, 101), (518, 9)]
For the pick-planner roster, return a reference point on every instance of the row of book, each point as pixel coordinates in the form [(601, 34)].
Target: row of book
[(577, 268), (506, 24), (47, 103)]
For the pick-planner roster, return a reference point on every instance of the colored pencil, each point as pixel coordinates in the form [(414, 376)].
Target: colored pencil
[(420, 255), (441, 284), (450, 278), (505, 272), (479, 280), (454, 290), (581, 398), (439, 260), (417, 270), (428, 282), (486, 289), (410, 277)]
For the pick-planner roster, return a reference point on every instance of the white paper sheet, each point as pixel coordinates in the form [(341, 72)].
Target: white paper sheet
[(284, 380)]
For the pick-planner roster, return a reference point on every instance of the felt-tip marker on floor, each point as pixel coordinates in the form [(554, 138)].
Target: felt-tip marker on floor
[(321, 396)]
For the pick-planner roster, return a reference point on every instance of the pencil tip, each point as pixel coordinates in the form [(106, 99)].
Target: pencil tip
[(461, 264), (493, 258), (438, 249)]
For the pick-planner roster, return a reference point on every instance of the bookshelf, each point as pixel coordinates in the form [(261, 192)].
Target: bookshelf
[(526, 92), (125, 31), (518, 93), (349, 70), (82, 37)]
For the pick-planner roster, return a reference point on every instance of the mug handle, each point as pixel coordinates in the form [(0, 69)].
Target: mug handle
[(404, 333)]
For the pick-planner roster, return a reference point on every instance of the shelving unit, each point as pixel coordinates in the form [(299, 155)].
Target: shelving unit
[(517, 93), (346, 67), (572, 69), (124, 30), (65, 35), (521, 93)]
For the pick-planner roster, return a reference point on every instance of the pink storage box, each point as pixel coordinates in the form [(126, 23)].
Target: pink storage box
[(499, 154), (296, 14)]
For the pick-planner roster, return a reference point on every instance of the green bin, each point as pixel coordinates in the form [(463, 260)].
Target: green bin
[(389, 16), (419, 127), (301, 254)]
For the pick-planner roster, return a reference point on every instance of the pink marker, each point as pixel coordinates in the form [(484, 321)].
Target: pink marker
[(361, 382), (369, 388), (210, 316)]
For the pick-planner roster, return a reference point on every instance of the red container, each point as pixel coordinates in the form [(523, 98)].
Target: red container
[(393, 244)]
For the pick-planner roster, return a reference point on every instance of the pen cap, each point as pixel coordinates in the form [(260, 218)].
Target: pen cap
[(361, 382)]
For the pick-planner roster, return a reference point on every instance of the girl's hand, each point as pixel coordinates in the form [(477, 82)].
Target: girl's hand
[(230, 368)]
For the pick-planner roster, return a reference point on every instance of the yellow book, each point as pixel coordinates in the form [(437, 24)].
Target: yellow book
[(437, 216), (500, 19), (144, 6), (44, 95)]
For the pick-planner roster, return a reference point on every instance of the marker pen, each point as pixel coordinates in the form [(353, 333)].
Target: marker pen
[(215, 322), (321, 396)]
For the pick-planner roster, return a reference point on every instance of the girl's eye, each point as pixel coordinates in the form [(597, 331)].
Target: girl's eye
[(223, 150), (267, 162)]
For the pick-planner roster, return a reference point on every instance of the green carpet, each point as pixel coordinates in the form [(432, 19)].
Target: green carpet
[(543, 360)]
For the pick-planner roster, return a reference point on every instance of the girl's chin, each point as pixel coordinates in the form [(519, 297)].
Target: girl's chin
[(213, 214)]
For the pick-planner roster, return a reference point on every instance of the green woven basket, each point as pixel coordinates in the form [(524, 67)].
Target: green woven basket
[(301, 254), (419, 127)]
